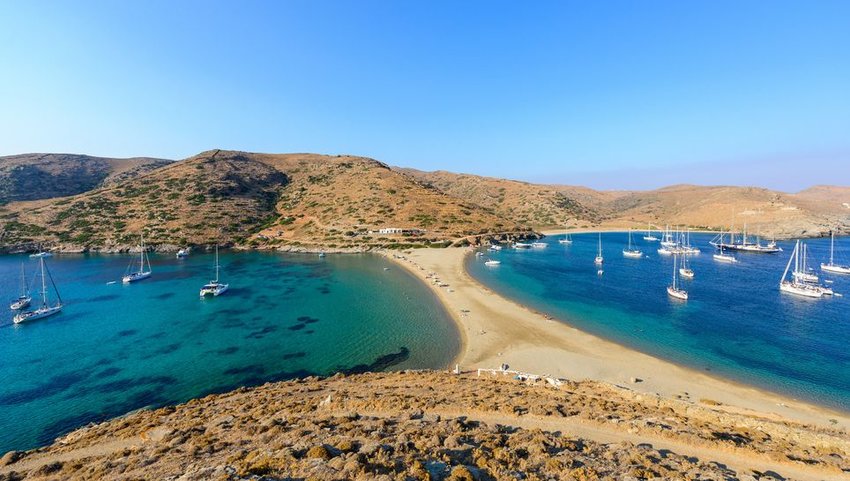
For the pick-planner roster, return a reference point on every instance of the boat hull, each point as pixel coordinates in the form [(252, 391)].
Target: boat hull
[(727, 259), (801, 290), (677, 293), (21, 303), (686, 273), (134, 277), (632, 254), (36, 314), (749, 248), (835, 269), (214, 291)]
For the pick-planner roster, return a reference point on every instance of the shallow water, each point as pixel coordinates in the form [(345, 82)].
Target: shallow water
[(116, 348), (736, 323)]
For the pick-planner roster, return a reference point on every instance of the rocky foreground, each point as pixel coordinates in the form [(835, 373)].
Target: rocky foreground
[(433, 425)]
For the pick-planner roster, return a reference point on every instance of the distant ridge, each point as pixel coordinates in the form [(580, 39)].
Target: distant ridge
[(41, 176), (292, 201), (322, 202), (812, 212)]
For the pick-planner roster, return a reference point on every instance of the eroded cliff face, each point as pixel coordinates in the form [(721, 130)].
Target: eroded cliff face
[(433, 425)]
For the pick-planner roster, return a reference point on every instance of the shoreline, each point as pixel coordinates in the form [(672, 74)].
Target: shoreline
[(496, 330)]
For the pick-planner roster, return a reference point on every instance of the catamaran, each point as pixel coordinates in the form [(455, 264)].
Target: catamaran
[(23, 301), (630, 251), (673, 290), (567, 238), (599, 259), (144, 266), (832, 266), (214, 287), (796, 285), (649, 235), (46, 309)]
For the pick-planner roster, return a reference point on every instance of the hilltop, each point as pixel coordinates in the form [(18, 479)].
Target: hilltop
[(433, 425), (342, 202), (42, 176), (812, 212), (291, 201)]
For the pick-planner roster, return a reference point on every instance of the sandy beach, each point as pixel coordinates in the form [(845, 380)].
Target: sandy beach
[(498, 331)]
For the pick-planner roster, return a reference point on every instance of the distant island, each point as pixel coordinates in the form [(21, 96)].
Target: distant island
[(314, 202)]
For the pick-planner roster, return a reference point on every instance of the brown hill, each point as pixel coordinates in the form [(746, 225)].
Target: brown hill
[(431, 425), (534, 204), (811, 212), (42, 176), (262, 200)]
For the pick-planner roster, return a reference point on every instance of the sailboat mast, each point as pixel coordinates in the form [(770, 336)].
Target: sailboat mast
[(23, 281), (831, 247), (141, 253), (216, 263), (43, 284), (788, 266), (675, 286)]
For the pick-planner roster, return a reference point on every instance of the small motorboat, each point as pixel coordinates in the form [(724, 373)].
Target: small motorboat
[(182, 253), (491, 262)]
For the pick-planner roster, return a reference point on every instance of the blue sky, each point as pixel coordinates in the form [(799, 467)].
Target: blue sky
[(613, 94)]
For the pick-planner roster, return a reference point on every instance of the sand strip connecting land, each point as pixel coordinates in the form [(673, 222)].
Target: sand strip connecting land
[(496, 330)]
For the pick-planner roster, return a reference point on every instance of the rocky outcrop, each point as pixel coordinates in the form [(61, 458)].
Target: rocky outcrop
[(432, 425)]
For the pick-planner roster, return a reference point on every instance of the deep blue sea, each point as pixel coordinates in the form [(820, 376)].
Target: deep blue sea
[(736, 323), (116, 348)]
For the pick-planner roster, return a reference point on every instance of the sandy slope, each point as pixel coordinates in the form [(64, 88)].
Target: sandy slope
[(496, 331)]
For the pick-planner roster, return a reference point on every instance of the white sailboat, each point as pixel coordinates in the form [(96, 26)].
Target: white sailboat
[(832, 266), (23, 301), (795, 285), (668, 238), (804, 273), (599, 259), (630, 251), (46, 309), (214, 287), (673, 290), (521, 245), (144, 266), (687, 248), (567, 239), (685, 271), (649, 235), (720, 256)]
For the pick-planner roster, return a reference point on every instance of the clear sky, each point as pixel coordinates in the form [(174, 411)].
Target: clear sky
[(614, 94)]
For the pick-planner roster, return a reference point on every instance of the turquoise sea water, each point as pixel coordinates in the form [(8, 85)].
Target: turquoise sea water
[(116, 348), (736, 323)]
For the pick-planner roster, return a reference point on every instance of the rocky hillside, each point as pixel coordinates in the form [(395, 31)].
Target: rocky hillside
[(435, 426), (261, 200), (812, 212), (42, 176), (534, 204)]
